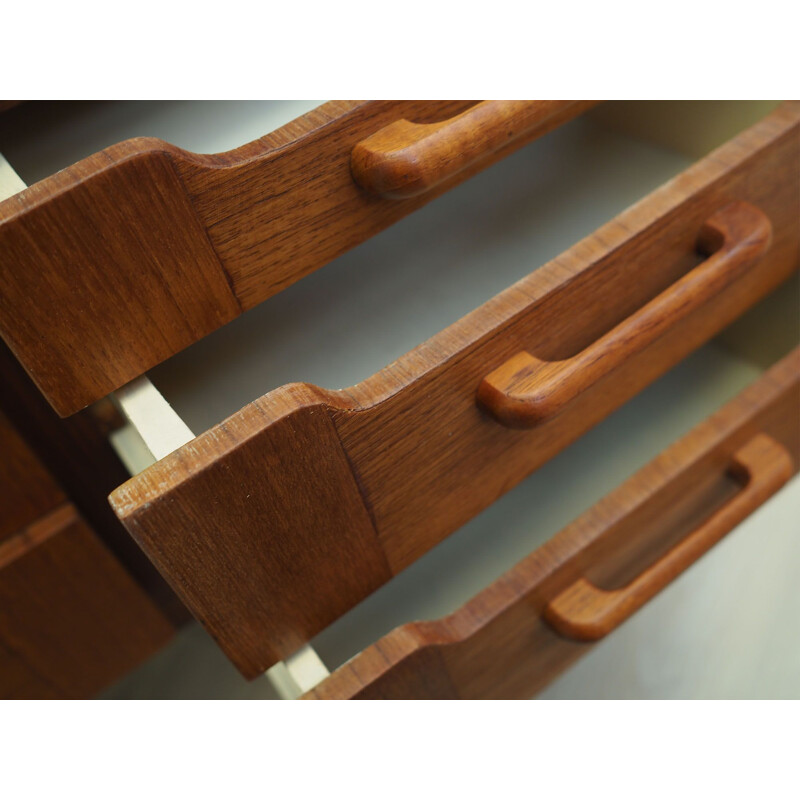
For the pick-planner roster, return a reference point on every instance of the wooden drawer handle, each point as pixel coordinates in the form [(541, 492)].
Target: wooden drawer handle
[(342, 490), (587, 613), (406, 159), (194, 240), (526, 391), (497, 645)]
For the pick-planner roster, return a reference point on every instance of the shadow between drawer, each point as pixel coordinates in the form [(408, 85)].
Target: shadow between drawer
[(268, 542), (166, 245), (500, 644)]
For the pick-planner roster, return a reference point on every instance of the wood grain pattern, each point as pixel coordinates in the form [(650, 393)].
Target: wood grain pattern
[(424, 456), (71, 619), (587, 613), (140, 250), (407, 159), (527, 391), (499, 645), (98, 276), (78, 456), (312, 521), (27, 491)]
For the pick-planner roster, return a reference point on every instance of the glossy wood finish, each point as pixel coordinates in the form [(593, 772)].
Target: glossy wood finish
[(71, 619), (164, 246), (416, 456), (499, 645), (407, 159), (587, 613), (527, 391)]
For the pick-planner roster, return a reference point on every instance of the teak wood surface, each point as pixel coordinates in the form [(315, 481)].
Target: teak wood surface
[(406, 159), (116, 263), (71, 619), (632, 543), (528, 391), (276, 521), (27, 490), (586, 612), (74, 456)]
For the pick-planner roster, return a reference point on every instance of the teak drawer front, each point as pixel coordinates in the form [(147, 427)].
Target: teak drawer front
[(307, 500), (521, 631), (71, 619), (166, 246)]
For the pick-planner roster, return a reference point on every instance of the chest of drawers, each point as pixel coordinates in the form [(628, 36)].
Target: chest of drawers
[(278, 524)]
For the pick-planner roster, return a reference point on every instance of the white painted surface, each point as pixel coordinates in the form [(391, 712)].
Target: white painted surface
[(131, 448), (298, 674), (10, 182), (160, 428)]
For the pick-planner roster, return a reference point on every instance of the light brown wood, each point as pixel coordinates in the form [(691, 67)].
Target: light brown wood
[(527, 391), (313, 522), (425, 458), (71, 619), (164, 246), (499, 645), (407, 159)]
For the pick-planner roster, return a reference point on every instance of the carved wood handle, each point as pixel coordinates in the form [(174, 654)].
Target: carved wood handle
[(406, 159), (526, 391), (587, 613)]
